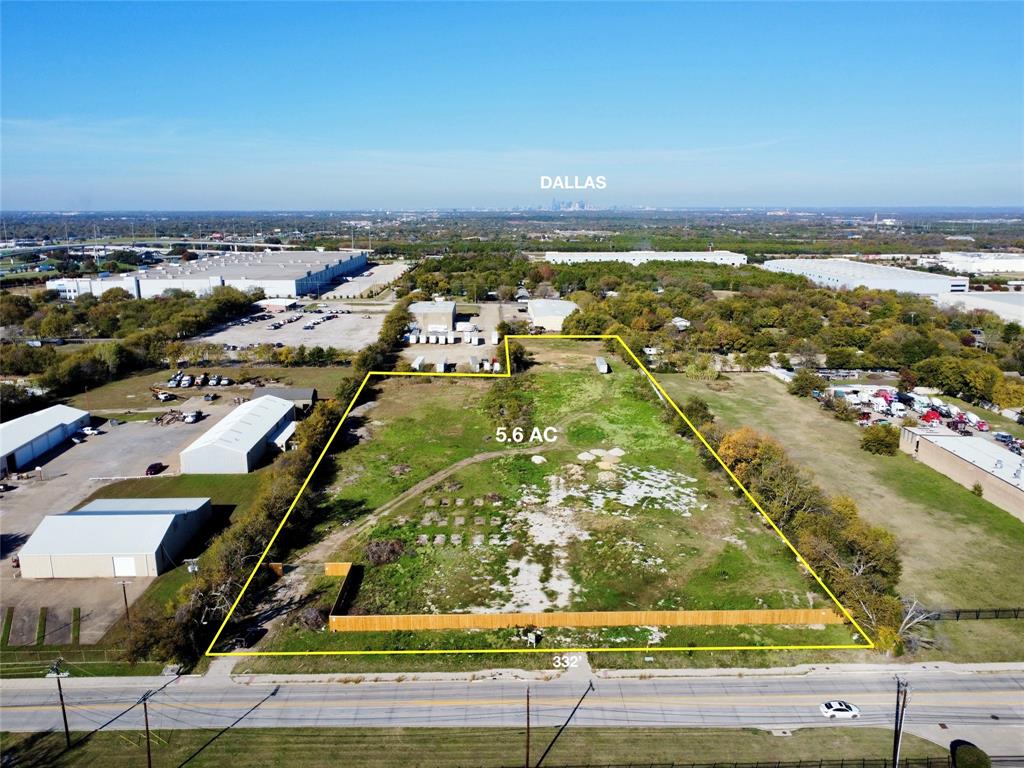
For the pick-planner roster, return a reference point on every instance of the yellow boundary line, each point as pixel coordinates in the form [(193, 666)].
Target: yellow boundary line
[(507, 374)]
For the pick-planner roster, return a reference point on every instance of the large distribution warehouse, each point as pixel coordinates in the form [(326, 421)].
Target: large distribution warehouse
[(843, 273), (278, 274), (113, 538), (26, 438), (236, 443), (642, 257)]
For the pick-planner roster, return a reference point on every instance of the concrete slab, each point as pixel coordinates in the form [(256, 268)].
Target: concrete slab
[(58, 626), (24, 626)]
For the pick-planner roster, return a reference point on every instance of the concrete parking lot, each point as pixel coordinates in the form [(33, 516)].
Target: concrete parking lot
[(371, 281), (65, 479), (351, 332)]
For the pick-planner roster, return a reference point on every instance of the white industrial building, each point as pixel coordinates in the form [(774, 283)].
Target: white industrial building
[(1009, 305), (434, 316), (113, 538), (843, 273), (549, 314), (236, 443), (642, 257), (975, 262), (970, 461), (279, 274), (26, 438)]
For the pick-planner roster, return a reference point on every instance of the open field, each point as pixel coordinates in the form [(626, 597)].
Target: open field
[(132, 393), (958, 550), (439, 747), (617, 513)]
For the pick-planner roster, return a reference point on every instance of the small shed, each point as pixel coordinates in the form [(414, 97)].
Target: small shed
[(602, 365), (303, 397)]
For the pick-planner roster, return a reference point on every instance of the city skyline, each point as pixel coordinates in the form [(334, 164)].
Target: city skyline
[(335, 107)]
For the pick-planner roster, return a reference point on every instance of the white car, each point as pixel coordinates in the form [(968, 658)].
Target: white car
[(839, 709)]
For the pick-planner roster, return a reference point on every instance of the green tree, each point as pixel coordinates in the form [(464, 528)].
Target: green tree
[(882, 439), (805, 382)]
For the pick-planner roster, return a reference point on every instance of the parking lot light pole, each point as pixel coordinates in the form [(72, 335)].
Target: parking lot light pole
[(124, 592)]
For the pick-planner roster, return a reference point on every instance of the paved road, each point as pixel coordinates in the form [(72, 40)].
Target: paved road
[(989, 707)]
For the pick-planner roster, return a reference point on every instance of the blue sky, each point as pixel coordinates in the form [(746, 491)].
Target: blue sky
[(299, 106)]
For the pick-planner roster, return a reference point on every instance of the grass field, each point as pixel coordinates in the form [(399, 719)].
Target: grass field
[(620, 515), (132, 392), (958, 550), (451, 747)]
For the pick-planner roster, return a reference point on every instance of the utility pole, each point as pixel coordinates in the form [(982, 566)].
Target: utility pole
[(56, 671), (527, 726), (902, 696), (145, 715), (590, 687), (124, 591)]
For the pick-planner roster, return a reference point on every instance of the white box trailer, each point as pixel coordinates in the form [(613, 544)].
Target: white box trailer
[(602, 365), (474, 364), (441, 366), (423, 338), (442, 339), (433, 338), (413, 338), (451, 338), (468, 338), (495, 338), (496, 367), (897, 409), (487, 366), (879, 405), (417, 364)]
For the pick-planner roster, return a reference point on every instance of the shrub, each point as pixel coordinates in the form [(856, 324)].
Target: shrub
[(977, 490), (882, 439), (805, 382), (384, 551), (970, 756)]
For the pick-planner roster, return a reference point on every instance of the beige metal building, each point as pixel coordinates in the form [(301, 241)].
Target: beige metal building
[(970, 460), (434, 315), (113, 538), (549, 314)]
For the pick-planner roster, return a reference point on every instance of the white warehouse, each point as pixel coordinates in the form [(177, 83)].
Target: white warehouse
[(843, 273), (549, 314), (279, 274), (642, 257), (236, 443), (975, 262), (113, 538), (28, 437)]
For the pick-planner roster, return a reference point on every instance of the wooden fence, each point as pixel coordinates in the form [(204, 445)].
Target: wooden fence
[(796, 616)]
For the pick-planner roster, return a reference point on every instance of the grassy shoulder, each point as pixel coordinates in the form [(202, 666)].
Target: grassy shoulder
[(439, 747), (942, 528)]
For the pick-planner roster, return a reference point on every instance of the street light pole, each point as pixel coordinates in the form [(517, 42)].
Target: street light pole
[(55, 669)]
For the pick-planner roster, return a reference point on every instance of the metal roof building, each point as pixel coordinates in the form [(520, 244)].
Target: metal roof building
[(113, 538), (28, 437), (434, 315), (236, 443), (642, 257), (843, 273), (279, 274), (302, 397), (549, 314), (970, 461)]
